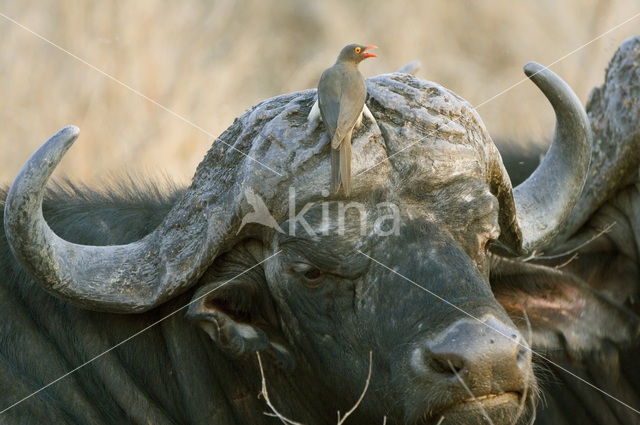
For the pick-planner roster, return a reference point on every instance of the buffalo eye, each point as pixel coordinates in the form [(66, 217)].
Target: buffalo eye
[(311, 275)]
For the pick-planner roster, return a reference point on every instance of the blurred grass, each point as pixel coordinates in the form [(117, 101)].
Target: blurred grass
[(210, 60)]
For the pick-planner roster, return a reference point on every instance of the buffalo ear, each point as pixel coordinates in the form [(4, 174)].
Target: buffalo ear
[(566, 314), (240, 318)]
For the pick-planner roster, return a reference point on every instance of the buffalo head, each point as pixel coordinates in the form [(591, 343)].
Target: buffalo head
[(413, 290)]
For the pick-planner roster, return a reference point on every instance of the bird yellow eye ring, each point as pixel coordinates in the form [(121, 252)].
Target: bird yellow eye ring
[(358, 50)]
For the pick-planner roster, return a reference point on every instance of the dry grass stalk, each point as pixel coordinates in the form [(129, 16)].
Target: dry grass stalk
[(264, 394), (274, 412), (364, 391), (540, 256)]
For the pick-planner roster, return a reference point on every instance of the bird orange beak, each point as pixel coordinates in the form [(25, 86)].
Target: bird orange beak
[(369, 55)]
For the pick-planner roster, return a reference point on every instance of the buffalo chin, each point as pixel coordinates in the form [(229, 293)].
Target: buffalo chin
[(501, 408)]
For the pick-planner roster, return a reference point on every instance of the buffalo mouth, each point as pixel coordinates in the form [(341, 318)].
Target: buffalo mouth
[(501, 409)]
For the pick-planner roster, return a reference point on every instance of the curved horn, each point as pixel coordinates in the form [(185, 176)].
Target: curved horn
[(545, 200), (118, 278)]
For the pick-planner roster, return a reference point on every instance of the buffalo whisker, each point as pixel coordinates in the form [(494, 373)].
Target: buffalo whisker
[(523, 398), (535, 413)]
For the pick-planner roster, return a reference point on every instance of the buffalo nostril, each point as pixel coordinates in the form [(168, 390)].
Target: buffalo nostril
[(486, 358), (446, 363)]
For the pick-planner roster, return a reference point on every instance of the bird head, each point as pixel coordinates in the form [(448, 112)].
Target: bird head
[(355, 53)]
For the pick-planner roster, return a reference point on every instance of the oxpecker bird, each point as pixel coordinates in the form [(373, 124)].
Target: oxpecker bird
[(341, 96)]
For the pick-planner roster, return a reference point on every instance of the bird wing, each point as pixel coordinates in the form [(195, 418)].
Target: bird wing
[(354, 94), (350, 110), (329, 93), (341, 96)]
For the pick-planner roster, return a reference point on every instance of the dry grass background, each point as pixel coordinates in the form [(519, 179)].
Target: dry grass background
[(210, 60)]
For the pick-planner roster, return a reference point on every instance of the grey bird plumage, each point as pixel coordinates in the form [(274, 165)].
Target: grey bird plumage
[(341, 99)]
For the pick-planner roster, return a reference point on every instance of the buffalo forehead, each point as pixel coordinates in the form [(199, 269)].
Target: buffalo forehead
[(430, 131), (438, 147), (429, 135)]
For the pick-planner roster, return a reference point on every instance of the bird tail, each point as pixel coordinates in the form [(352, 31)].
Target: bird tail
[(337, 138), (335, 170), (345, 164)]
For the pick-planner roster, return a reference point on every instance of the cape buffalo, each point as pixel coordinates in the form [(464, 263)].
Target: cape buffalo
[(447, 295)]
